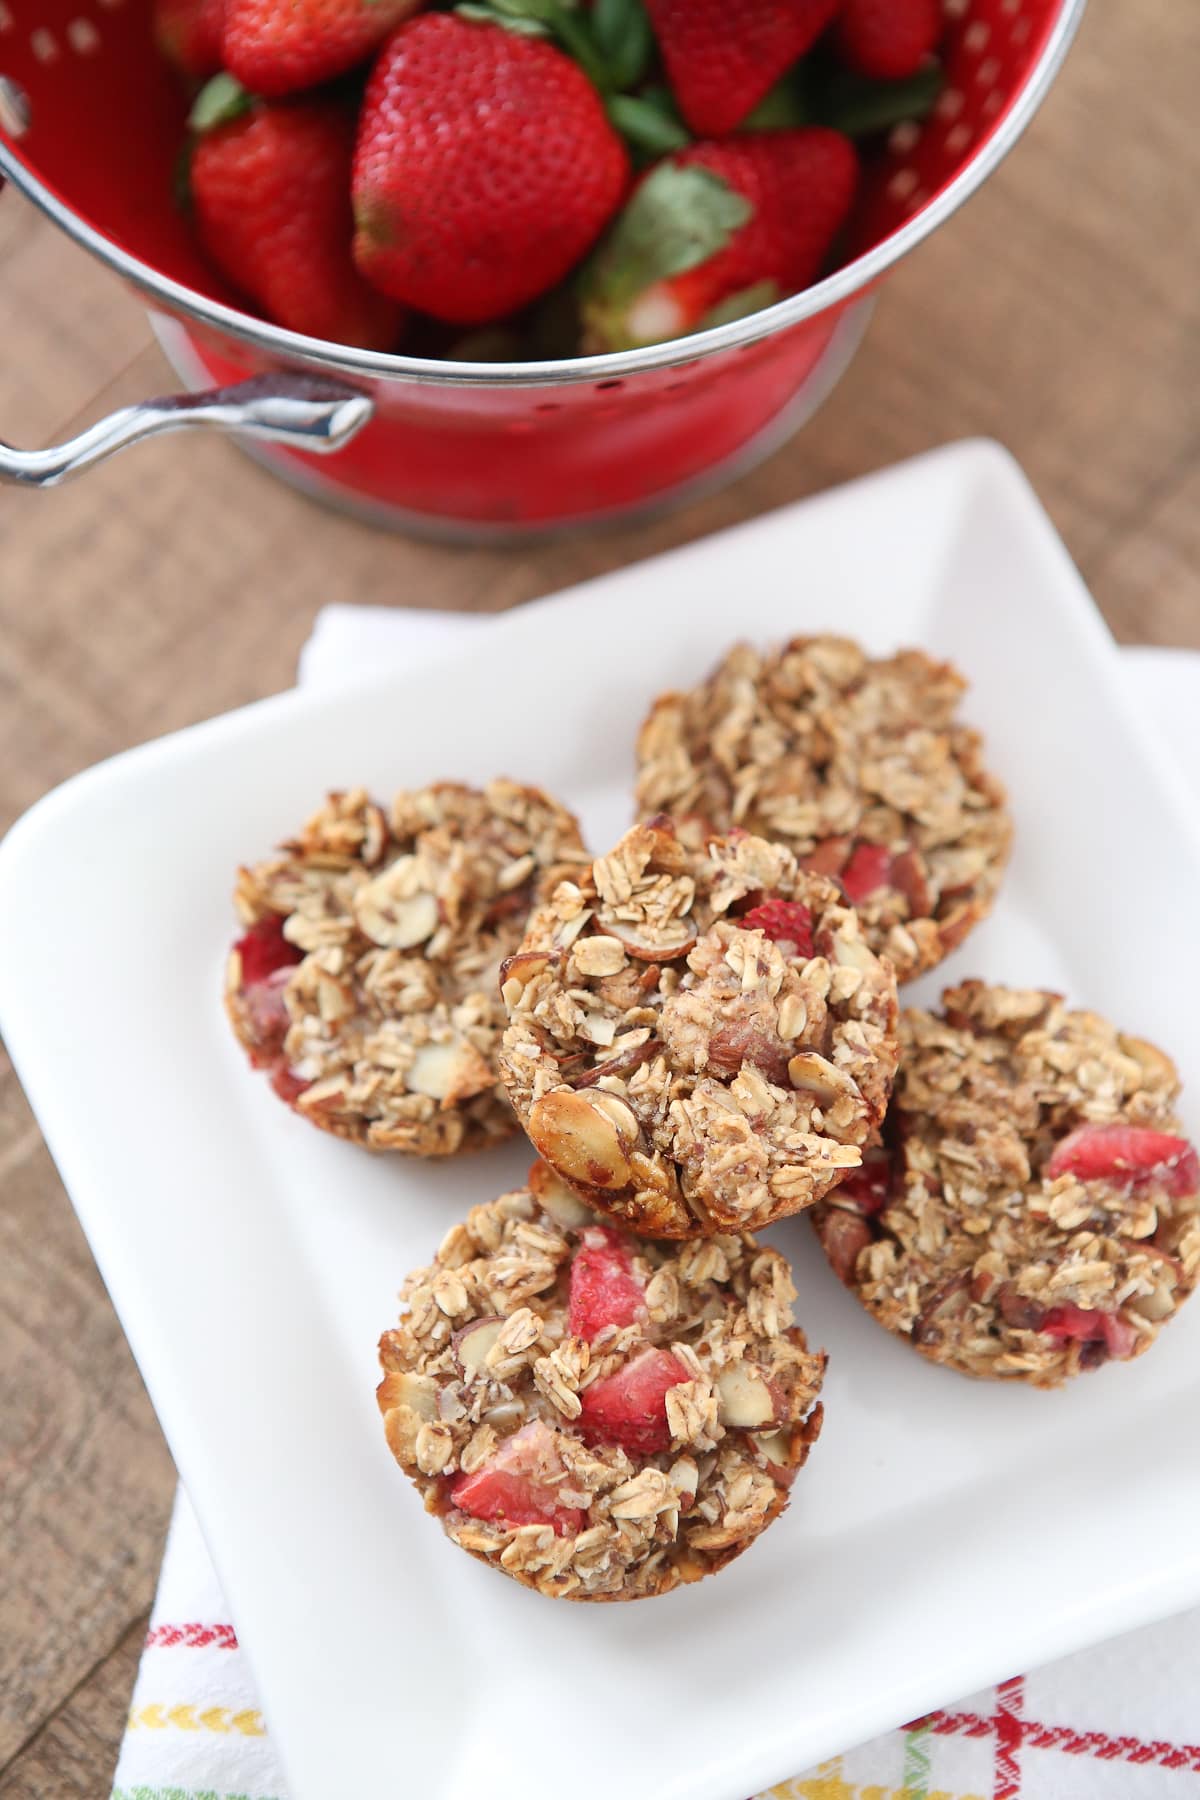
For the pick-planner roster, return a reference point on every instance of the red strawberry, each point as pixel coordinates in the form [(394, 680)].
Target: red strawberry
[(604, 1289), (188, 34), (264, 949), (1128, 1155), (519, 1484), (485, 168), (866, 1188), (630, 1407), (271, 188), (717, 231), (785, 922), (277, 46), (1085, 1326), (724, 56), (868, 870), (889, 39)]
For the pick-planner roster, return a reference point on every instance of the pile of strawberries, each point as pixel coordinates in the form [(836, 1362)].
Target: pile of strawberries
[(545, 176)]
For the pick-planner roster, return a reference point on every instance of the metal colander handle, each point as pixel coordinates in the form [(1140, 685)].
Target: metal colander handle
[(304, 412)]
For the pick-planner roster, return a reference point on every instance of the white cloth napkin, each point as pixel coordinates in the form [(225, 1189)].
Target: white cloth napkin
[(1118, 1722)]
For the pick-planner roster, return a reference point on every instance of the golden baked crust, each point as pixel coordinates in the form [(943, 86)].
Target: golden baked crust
[(859, 766), (1038, 1212), (682, 1069), (381, 1020), (491, 1368)]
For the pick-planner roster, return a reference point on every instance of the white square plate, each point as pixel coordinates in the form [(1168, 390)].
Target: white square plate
[(945, 1534)]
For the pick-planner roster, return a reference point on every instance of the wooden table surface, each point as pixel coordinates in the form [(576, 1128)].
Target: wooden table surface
[(1060, 313)]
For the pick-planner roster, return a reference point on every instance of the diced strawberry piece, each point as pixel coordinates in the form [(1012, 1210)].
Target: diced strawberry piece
[(630, 1407), (1129, 1155), (1085, 1326), (866, 1188), (265, 949), (266, 1007), (519, 1484), (785, 922), (827, 857), (289, 1087), (604, 1289), (869, 869)]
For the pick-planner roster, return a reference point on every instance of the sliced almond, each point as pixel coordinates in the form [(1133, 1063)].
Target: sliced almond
[(516, 973), (622, 1116), (393, 922), (1158, 1066), (473, 1342), (555, 1197), (793, 1017), (812, 1074), (852, 953), (776, 1446), (744, 1398), (417, 1392), (449, 1072), (663, 942), (576, 1135)]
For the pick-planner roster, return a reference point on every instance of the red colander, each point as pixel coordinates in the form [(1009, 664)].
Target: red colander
[(91, 121)]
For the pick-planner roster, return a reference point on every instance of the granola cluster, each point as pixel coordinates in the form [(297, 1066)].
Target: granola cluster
[(367, 978), (858, 766), (684, 1063), (599, 1417), (1034, 1211)]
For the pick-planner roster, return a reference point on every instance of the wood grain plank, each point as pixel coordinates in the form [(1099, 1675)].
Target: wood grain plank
[(71, 1756)]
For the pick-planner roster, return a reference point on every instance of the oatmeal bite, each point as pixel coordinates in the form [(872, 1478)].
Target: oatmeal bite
[(859, 766), (700, 1040), (365, 980), (1033, 1210), (599, 1417)]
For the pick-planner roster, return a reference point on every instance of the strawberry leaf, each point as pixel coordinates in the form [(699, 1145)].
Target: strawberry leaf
[(489, 15), (858, 106), (648, 126), (783, 109), (676, 220), (621, 29), (219, 101)]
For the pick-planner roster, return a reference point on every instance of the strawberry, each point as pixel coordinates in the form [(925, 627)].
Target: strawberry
[(889, 39), (724, 56), (630, 1407), (519, 1484), (785, 922), (188, 34), (270, 185), (717, 231), (264, 949), (1129, 1156), (278, 46), (866, 1188), (1086, 1326), (868, 869), (604, 1289), (485, 168)]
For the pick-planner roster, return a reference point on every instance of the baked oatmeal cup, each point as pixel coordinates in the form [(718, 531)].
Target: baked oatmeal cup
[(598, 1417), (1033, 1210), (700, 1040), (859, 766), (365, 981)]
